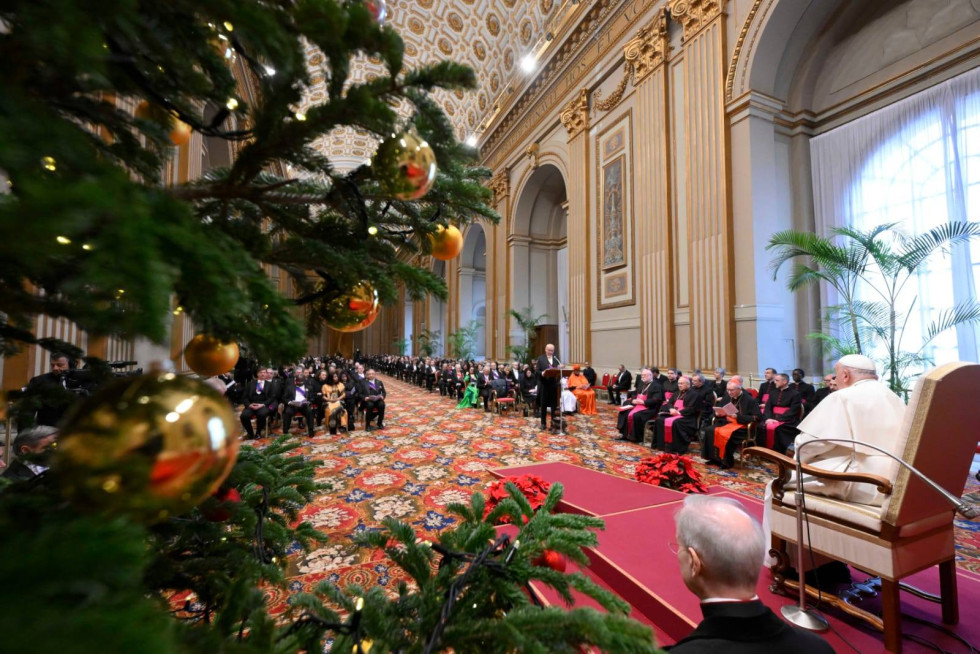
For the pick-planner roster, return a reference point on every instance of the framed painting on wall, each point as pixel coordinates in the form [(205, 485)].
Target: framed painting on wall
[(614, 209)]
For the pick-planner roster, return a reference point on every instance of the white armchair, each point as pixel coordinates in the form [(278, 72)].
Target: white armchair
[(913, 529)]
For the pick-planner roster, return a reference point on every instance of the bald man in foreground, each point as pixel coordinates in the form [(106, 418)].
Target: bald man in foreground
[(719, 551)]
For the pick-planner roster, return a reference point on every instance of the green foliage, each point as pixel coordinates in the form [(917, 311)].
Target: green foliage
[(400, 345), (462, 340), (488, 608), (88, 171), (879, 262), (97, 583), (527, 321), (428, 341)]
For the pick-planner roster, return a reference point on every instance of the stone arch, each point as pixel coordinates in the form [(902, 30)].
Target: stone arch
[(537, 246), (436, 320), (801, 68), (472, 273)]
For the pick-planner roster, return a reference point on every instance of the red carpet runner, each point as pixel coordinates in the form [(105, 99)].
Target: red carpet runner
[(433, 454)]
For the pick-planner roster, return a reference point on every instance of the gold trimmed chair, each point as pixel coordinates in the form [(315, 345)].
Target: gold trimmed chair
[(913, 529)]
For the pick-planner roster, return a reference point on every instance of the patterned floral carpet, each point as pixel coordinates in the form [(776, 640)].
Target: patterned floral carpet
[(432, 454)]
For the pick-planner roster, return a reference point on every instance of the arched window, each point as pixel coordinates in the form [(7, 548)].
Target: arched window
[(915, 163)]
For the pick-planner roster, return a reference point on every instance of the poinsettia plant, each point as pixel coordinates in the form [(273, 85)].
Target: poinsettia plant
[(673, 471), (534, 488)]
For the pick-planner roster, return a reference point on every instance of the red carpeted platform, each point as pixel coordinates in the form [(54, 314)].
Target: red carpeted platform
[(634, 560), (588, 492)]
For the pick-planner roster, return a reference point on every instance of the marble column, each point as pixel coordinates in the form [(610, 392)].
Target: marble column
[(575, 118), (647, 54), (706, 149)]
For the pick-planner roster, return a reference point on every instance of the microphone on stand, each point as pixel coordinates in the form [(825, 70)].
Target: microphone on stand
[(811, 620)]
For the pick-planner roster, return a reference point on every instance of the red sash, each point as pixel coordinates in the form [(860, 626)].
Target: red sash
[(762, 402), (634, 409), (772, 424), (669, 422), (724, 433)]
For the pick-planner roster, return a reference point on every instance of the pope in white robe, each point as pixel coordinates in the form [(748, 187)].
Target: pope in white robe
[(862, 409)]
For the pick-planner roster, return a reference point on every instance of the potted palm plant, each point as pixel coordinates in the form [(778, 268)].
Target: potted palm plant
[(870, 270)]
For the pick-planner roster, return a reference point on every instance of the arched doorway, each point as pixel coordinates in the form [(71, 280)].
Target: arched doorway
[(817, 66), (538, 252), (473, 286), (436, 320)]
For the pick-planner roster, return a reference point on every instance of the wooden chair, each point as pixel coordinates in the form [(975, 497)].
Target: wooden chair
[(913, 529), (501, 403)]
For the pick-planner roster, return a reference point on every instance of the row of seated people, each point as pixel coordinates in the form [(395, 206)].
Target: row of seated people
[(474, 383), (327, 393), (684, 409)]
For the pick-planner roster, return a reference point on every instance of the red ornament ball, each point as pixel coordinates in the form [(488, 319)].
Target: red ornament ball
[(222, 512), (551, 559), (378, 10)]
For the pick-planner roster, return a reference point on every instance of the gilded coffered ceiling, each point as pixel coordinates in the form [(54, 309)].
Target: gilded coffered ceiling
[(492, 36)]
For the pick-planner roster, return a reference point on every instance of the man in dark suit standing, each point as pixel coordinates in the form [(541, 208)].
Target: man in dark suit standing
[(719, 551), (373, 394), (548, 389), (296, 396), (32, 447), (621, 384)]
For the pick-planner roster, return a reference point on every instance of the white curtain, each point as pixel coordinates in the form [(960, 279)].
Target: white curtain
[(917, 163)]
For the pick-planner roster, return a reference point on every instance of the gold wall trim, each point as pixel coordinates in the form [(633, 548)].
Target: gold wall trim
[(649, 48), (736, 56), (695, 15), (575, 117), (613, 100), (604, 26)]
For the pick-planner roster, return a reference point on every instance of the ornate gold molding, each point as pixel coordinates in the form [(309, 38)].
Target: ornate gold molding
[(695, 14), (643, 53), (500, 185), (598, 104), (737, 54), (532, 153), (575, 116), (648, 49)]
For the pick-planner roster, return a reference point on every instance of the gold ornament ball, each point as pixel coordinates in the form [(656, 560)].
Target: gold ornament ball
[(209, 356), (353, 311), (181, 133), (149, 447), (447, 242), (405, 166), (144, 111)]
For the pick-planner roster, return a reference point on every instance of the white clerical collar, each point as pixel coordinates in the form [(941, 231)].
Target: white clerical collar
[(36, 469), (719, 600)]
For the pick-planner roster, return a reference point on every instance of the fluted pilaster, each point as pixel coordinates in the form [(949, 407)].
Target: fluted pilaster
[(648, 52), (575, 118), (712, 320)]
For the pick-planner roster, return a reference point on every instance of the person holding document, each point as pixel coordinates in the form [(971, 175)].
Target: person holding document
[(732, 420)]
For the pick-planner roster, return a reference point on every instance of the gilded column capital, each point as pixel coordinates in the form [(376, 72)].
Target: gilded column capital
[(695, 14), (500, 185), (575, 117), (648, 49)]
